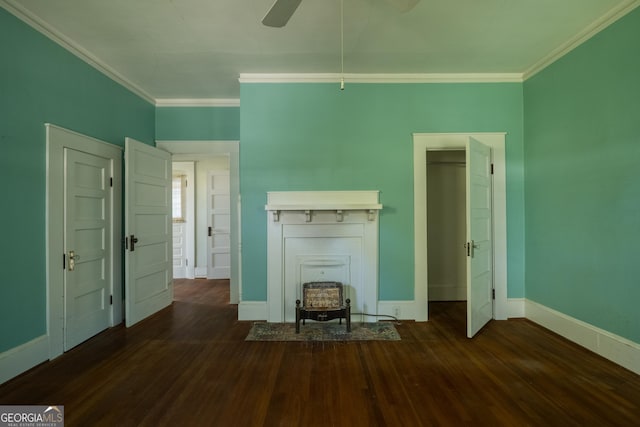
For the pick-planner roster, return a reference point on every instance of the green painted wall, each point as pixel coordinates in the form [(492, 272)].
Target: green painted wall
[(198, 123), (582, 153), (41, 82), (316, 137)]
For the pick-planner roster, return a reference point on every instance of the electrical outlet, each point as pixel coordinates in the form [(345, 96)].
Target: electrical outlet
[(396, 311)]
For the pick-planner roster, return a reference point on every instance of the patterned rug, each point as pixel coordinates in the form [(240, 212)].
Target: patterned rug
[(317, 331)]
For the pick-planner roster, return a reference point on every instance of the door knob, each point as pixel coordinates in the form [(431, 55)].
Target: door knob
[(72, 260)]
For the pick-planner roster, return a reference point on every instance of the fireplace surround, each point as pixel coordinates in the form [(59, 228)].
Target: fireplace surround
[(318, 236)]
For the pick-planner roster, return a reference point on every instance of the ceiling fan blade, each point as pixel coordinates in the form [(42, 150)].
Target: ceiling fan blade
[(403, 5), (280, 12)]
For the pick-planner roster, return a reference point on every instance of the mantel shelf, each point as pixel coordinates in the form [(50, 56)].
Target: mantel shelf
[(324, 207), (310, 201)]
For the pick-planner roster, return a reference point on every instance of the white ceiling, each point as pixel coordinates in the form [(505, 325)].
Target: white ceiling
[(189, 49)]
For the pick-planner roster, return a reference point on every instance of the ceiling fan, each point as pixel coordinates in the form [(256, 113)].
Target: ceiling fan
[(282, 10)]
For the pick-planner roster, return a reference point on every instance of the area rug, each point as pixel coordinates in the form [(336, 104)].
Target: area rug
[(316, 331)]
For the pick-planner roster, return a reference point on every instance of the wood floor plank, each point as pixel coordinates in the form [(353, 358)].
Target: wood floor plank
[(189, 365)]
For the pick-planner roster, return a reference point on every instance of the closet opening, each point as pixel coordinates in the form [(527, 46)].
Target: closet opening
[(446, 225)]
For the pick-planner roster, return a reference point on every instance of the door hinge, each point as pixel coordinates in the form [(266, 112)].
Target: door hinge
[(186, 262), (110, 182), (64, 261), (493, 293), (491, 168), (110, 299)]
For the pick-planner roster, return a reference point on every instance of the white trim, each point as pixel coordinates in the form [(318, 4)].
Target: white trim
[(322, 200), (388, 308), (54, 205), (252, 310), (381, 78), (434, 141), (199, 147), (594, 28), (24, 14), (515, 307), (198, 102), (192, 150), (610, 346), (19, 359)]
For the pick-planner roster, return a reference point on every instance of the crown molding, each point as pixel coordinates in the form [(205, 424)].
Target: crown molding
[(42, 27), (381, 78), (198, 102), (590, 31)]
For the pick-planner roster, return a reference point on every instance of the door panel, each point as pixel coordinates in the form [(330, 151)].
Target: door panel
[(219, 223), (148, 231), (479, 237), (179, 252), (87, 237)]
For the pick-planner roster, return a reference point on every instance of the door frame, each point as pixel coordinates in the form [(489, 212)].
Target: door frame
[(57, 139), (423, 142), (186, 150)]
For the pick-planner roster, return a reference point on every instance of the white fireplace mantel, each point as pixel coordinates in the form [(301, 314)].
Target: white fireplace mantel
[(310, 201), (320, 236)]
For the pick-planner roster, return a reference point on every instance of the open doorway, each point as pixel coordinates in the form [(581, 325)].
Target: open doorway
[(201, 218), (459, 209), (423, 143), (216, 239), (446, 225)]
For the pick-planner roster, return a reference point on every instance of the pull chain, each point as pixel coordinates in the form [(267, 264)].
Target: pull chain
[(341, 44)]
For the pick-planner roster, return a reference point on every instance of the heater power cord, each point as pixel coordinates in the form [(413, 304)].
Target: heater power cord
[(395, 319)]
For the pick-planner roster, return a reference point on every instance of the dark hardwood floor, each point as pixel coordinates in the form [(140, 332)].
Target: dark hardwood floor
[(190, 366)]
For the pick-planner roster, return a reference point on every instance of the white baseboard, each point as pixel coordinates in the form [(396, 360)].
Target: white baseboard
[(19, 359), (515, 307), (252, 310), (179, 273), (201, 272), (620, 350), (405, 310)]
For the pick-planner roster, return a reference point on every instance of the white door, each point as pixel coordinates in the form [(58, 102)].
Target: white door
[(479, 237), (148, 243), (218, 225), (178, 199), (87, 246), (179, 251)]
